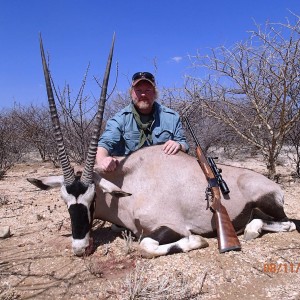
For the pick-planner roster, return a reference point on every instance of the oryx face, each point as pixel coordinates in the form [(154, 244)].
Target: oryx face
[(80, 202)]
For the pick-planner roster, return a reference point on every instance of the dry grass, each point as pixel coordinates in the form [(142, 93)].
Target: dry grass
[(3, 200), (139, 285)]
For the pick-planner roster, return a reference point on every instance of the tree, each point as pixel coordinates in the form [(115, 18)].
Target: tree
[(11, 142), (293, 146), (254, 87), (37, 130), (76, 116)]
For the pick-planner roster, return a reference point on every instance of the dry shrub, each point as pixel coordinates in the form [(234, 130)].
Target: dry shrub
[(140, 284)]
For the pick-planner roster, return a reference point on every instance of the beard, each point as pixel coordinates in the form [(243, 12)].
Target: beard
[(143, 105)]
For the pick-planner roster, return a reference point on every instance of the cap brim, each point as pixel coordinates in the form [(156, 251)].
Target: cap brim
[(142, 79)]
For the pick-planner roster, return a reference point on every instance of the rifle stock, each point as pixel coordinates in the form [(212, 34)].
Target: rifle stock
[(227, 238)]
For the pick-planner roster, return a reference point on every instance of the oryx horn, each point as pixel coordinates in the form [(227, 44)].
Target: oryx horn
[(87, 174), (68, 171)]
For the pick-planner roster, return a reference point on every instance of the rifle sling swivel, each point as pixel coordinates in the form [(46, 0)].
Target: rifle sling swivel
[(212, 182)]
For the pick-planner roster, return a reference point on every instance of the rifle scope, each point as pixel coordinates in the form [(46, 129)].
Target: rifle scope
[(223, 185)]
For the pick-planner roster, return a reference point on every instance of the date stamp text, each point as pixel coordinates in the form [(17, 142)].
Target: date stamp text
[(281, 268)]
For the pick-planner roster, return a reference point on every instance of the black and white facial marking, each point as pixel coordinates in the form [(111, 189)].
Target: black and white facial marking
[(79, 199)]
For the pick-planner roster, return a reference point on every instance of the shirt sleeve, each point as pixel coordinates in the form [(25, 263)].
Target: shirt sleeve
[(179, 134), (111, 137)]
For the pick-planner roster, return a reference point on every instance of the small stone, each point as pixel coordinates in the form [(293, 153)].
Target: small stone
[(4, 232)]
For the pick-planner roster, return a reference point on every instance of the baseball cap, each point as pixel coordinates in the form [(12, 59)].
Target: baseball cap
[(139, 76)]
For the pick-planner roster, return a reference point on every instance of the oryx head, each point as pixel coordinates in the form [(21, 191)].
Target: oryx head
[(78, 192)]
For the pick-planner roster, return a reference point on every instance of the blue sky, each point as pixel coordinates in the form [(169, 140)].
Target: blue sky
[(78, 32)]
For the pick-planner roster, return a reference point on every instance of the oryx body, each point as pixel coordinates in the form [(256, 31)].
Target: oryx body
[(170, 190)]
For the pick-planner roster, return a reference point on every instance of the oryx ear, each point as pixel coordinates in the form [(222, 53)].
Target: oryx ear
[(109, 187), (47, 183)]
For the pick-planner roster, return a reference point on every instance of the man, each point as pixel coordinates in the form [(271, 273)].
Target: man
[(142, 123)]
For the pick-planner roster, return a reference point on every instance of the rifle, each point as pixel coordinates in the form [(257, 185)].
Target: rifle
[(227, 238)]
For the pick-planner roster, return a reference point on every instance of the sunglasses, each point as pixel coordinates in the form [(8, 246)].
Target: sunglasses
[(145, 75)]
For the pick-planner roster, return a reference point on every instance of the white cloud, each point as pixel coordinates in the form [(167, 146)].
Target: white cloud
[(177, 58)]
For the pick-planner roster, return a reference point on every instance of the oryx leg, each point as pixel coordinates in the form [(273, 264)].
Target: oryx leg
[(164, 241), (256, 226)]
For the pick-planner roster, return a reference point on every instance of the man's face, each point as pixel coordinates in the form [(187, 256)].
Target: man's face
[(143, 96)]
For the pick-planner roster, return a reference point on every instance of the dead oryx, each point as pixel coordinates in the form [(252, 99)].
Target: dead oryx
[(160, 198)]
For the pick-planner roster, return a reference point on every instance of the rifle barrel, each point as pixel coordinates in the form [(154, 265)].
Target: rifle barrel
[(191, 131)]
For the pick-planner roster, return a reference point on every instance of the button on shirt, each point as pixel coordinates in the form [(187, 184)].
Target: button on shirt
[(121, 135)]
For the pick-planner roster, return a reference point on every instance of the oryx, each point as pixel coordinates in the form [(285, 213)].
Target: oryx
[(160, 198)]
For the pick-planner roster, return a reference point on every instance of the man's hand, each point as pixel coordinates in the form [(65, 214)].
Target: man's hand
[(171, 147), (107, 164)]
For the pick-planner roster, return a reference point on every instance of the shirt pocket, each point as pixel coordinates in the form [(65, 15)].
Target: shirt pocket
[(132, 140), (163, 136)]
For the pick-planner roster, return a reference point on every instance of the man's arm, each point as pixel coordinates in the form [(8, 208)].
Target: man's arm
[(109, 139), (105, 162), (179, 136)]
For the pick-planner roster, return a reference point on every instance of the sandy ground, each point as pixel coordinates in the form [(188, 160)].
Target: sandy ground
[(36, 261)]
